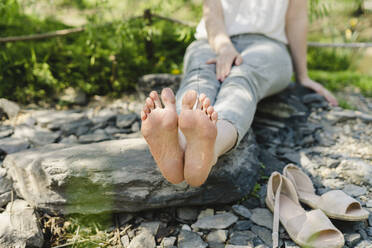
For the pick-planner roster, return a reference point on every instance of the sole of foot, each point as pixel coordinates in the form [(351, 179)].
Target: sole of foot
[(160, 130), (199, 128)]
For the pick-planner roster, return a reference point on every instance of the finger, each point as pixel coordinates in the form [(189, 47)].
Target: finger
[(238, 60), (331, 99), (211, 61)]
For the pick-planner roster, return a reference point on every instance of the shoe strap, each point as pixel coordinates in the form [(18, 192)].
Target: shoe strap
[(275, 233)]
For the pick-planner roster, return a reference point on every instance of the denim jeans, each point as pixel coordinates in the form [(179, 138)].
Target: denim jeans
[(266, 70)]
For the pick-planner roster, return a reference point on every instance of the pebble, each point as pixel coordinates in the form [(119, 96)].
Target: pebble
[(241, 237), (187, 239), (352, 239), (205, 213), (242, 211), (240, 246), (369, 231), (186, 227), (143, 240), (188, 214), (369, 204), (364, 244), (125, 121), (125, 240), (354, 190), (262, 217), (290, 244), (264, 234), (167, 242), (219, 221), (243, 225), (152, 227), (218, 236)]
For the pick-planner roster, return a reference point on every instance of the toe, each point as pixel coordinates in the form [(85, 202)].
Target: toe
[(155, 97), (189, 99), (214, 117), (143, 115), (146, 110), (210, 110), (150, 103), (201, 100), (206, 104), (168, 98)]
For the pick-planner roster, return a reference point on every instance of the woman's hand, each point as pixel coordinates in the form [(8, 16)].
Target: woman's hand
[(318, 88), (226, 57)]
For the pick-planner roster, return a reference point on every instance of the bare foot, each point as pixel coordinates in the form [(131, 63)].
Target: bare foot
[(199, 128), (160, 129)]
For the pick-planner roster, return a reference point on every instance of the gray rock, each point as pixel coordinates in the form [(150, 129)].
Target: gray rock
[(243, 225), (125, 241), (8, 107), (364, 244), (135, 127), (242, 238), (216, 245), (218, 221), (35, 135), (217, 236), (240, 246), (187, 239), (313, 97), (264, 234), (74, 96), (354, 190), (72, 139), (290, 244), (94, 137), (125, 121), (188, 214), (157, 82), (168, 242), (242, 211), (5, 131), (262, 217), (124, 218), (205, 213), (12, 145), (151, 227), (5, 198), (186, 227), (112, 130), (54, 119), (5, 188), (143, 240), (103, 116), (261, 246), (369, 204), (352, 239), (369, 231), (121, 176), (370, 219), (355, 171), (77, 127), (19, 226)]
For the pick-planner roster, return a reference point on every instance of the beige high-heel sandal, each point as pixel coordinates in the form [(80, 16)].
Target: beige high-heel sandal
[(309, 229), (335, 203)]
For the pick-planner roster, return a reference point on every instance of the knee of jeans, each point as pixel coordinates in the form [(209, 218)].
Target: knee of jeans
[(244, 77)]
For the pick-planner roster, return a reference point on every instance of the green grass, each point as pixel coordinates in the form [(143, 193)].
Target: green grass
[(337, 80)]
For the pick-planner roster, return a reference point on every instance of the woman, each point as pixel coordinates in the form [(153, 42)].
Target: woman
[(240, 56)]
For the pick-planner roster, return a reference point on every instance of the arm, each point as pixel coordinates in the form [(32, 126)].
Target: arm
[(296, 31), (219, 40)]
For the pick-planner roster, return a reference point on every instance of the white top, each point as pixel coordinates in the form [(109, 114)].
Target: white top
[(252, 16)]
